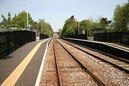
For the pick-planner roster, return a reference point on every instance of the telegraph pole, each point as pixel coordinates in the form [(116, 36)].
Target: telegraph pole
[(78, 28), (43, 27), (27, 21), (42, 21)]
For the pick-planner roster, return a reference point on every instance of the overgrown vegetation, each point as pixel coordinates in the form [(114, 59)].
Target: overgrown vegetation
[(120, 23), (45, 28), (121, 18), (70, 27), (87, 26), (19, 21)]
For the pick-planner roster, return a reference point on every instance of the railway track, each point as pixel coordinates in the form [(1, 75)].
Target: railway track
[(76, 68), (67, 65), (107, 73), (57, 67), (123, 65), (49, 75)]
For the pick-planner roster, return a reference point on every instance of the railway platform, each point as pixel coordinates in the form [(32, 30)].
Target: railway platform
[(58, 62), (21, 68), (115, 45)]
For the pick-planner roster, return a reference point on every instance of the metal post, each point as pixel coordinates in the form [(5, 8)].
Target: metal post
[(43, 27), (40, 21), (39, 32), (27, 21), (78, 28)]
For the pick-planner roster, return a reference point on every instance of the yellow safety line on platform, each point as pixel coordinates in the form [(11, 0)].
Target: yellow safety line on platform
[(14, 76)]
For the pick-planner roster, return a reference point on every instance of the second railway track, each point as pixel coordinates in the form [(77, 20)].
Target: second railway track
[(67, 65), (116, 62)]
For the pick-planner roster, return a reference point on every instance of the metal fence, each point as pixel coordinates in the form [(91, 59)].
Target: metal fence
[(9, 41), (116, 37), (43, 36), (79, 36)]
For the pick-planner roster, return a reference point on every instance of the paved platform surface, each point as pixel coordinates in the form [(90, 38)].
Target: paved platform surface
[(12, 61), (107, 43)]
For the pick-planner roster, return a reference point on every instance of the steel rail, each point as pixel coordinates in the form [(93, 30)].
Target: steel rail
[(57, 66), (97, 80), (117, 66)]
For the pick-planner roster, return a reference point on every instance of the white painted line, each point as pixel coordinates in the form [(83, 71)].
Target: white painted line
[(41, 66)]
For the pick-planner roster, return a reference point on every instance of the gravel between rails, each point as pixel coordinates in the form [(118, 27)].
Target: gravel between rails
[(110, 75), (120, 64), (71, 72)]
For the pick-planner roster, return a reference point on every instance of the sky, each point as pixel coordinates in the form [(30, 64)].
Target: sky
[(55, 12)]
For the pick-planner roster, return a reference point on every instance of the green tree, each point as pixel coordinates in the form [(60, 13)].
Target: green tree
[(20, 21), (83, 26), (121, 18), (70, 27), (45, 28), (88, 26), (60, 32), (6, 23), (70, 31), (15, 22), (104, 23)]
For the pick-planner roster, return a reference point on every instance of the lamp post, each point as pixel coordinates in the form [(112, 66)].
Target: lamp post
[(42, 21), (43, 27), (78, 27), (27, 21)]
